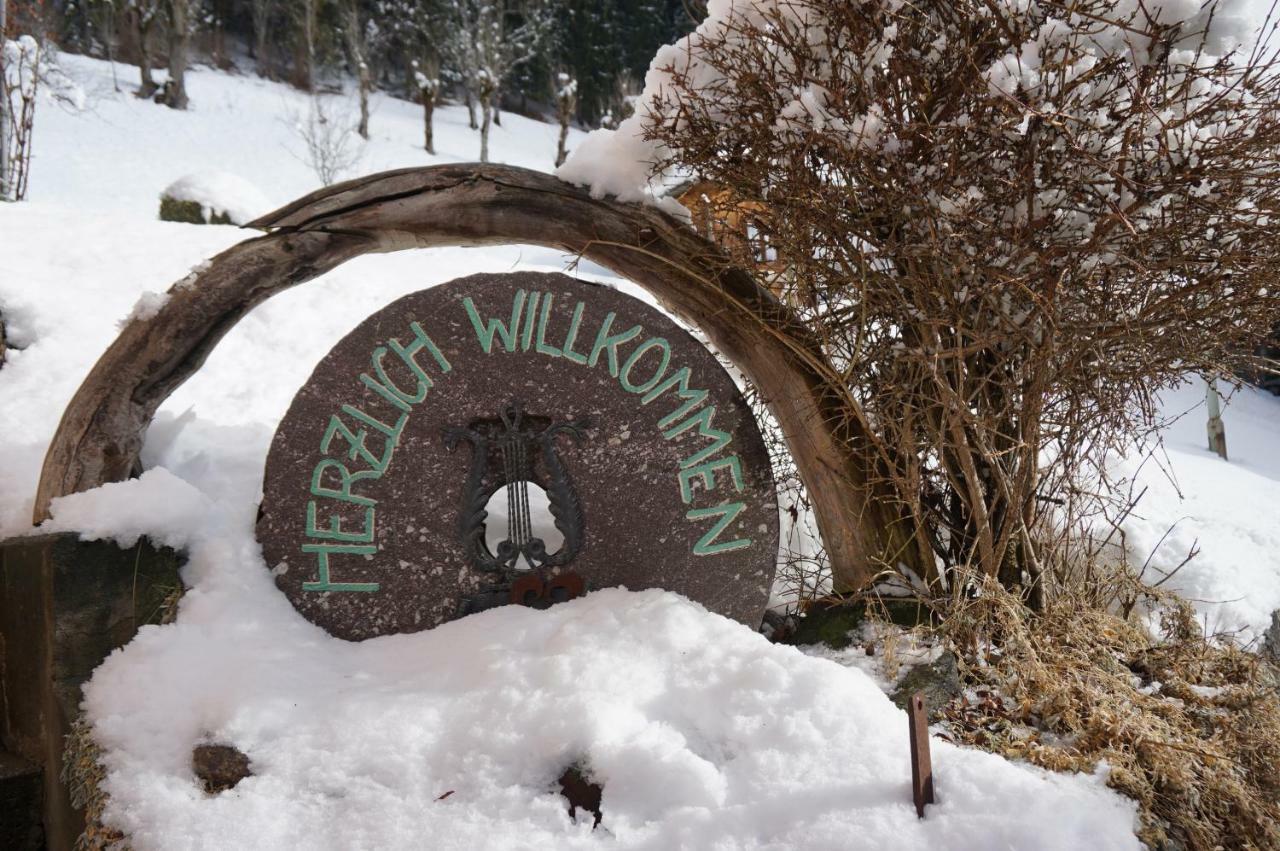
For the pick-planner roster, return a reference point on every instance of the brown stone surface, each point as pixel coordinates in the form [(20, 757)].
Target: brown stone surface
[(632, 471), (219, 767)]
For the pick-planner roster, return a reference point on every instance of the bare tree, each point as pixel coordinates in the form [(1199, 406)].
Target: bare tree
[(261, 12), (19, 89), (181, 25), (426, 76), (306, 17), (488, 40), (354, 35), (328, 138), (27, 75), (566, 95), (1010, 226), (141, 17)]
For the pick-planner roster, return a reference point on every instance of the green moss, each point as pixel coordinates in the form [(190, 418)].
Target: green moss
[(831, 623), (189, 212)]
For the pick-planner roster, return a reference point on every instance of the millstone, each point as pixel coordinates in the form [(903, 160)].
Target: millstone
[(379, 512)]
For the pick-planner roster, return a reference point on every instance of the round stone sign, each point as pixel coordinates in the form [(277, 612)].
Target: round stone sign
[(507, 429)]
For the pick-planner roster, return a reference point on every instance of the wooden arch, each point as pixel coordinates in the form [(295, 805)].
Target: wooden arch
[(101, 432)]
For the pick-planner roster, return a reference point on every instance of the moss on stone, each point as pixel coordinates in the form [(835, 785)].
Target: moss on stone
[(190, 212), (830, 622)]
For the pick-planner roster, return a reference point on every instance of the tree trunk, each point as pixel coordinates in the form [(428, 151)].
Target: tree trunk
[(428, 110), (487, 109), (365, 85), (471, 110), (353, 34), (175, 89), (304, 74), (141, 25), (261, 37), (497, 108), (562, 149), (486, 112)]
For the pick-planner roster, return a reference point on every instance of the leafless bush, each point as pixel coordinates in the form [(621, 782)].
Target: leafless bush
[(1009, 224), (28, 72), (329, 138), (19, 87)]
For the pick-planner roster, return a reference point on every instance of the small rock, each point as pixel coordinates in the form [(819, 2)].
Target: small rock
[(939, 680), (581, 793), (219, 767)]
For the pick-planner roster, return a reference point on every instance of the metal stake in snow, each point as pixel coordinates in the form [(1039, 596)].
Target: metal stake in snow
[(921, 764), (1217, 433)]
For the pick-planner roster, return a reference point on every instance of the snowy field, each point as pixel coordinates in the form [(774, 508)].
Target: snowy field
[(703, 734)]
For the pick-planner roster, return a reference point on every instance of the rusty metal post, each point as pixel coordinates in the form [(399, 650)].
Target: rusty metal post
[(921, 765)]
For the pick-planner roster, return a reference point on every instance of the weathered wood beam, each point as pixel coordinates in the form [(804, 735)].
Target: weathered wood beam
[(102, 429)]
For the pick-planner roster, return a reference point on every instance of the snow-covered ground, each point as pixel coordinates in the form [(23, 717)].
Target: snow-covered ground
[(704, 735), (1227, 510)]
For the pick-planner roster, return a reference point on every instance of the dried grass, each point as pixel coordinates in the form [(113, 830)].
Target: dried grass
[(1189, 725), (83, 774)]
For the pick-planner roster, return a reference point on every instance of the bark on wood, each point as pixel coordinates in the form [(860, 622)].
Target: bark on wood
[(101, 432)]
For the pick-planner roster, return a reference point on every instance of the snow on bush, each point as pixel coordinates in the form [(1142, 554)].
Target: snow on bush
[(220, 192), (620, 162)]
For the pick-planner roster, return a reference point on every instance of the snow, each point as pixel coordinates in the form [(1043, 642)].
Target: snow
[(157, 504), (703, 734), (1224, 509), (220, 192)]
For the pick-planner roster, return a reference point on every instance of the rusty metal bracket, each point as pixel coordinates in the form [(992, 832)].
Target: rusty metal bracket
[(529, 590), (921, 764)]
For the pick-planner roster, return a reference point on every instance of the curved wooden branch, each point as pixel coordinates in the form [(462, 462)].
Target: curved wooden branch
[(101, 432)]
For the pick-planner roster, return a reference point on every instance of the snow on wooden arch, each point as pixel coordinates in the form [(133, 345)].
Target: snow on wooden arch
[(101, 432)]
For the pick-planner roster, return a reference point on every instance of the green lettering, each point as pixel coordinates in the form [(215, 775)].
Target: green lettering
[(720, 439), (486, 333), (680, 381), (605, 341), (384, 392), (420, 392), (421, 341), (343, 493), (707, 473), (727, 511), (356, 442), (334, 530), (541, 346), (572, 336), (527, 339), (629, 364), (322, 563)]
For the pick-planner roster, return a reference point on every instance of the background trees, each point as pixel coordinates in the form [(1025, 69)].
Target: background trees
[(511, 48)]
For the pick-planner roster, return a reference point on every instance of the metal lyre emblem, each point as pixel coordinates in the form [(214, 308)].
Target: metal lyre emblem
[(515, 449)]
